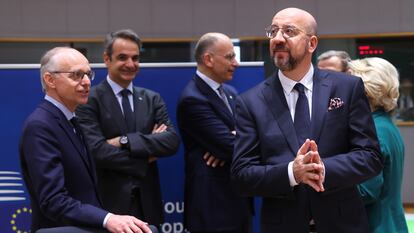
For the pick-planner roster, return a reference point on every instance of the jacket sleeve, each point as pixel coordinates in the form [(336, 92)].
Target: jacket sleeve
[(158, 144), (142, 145), (199, 121), (42, 156), (251, 176), (363, 159)]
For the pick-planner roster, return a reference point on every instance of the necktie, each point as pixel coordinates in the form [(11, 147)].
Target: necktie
[(223, 97), (76, 127), (302, 119), (78, 132), (128, 114)]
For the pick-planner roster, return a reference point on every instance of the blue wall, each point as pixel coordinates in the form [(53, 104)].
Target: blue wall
[(21, 92)]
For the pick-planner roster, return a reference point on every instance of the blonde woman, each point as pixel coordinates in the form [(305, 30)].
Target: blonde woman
[(382, 194)]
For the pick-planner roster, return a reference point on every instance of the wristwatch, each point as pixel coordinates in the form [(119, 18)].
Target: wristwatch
[(123, 140)]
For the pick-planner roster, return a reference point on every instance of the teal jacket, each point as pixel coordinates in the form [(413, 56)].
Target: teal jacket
[(382, 194)]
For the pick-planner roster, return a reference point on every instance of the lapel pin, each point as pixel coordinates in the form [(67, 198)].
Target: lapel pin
[(140, 98)]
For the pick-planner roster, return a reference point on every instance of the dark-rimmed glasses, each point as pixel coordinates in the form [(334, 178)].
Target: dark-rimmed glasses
[(287, 31), (78, 75)]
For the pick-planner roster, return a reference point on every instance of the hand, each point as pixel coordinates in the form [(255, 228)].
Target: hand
[(307, 167), (213, 161), (152, 158), (114, 142), (317, 159), (159, 129), (126, 224)]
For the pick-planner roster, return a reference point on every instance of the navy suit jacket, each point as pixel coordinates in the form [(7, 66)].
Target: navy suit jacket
[(122, 172), (205, 124), (347, 143), (58, 171)]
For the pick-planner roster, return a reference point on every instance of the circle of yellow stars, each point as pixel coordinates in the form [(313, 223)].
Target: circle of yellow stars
[(15, 215)]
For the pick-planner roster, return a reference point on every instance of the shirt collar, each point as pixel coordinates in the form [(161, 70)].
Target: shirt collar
[(288, 83), (68, 114), (116, 88), (213, 84)]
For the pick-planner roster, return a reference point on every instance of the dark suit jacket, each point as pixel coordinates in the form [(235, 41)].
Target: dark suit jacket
[(59, 173), (205, 124), (266, 142), (120, 171)]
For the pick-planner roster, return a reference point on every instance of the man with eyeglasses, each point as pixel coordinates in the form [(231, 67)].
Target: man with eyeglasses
[(206, 122), (305, 138), (57, 168), (128, 129)]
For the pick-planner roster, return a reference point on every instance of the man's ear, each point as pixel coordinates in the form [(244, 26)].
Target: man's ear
[(313, 43), (208, 60), (106, 58), (49, 80)]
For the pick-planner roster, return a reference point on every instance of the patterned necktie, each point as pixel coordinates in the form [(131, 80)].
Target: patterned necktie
[(302, 120), (128, 114), (223, 97)]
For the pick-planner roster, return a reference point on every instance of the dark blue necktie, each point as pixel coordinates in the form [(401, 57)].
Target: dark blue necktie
[(128, 114), (302, 119), (78, 132), (76, 127)]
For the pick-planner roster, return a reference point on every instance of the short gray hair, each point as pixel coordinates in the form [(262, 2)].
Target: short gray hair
[(205, 43), (342, 55), (48, 63)]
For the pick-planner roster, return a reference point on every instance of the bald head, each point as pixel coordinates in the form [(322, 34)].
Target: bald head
[(301, 17), (57, 57), (208, 42)]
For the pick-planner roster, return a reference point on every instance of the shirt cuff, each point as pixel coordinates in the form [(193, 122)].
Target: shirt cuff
[(323, 172), (106, 219), (292, 180)]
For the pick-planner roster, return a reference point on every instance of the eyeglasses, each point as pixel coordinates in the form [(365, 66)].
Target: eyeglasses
[(230, 56), (287, 32), (78, 75)]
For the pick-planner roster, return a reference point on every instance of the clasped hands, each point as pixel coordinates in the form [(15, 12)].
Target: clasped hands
[(308, 167), (157, 129)]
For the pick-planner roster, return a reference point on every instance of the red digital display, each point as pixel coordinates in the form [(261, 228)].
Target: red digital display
[(370, 50)]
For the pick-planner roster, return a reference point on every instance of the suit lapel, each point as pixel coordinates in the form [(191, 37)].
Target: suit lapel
[(68, 130), (110, 101), (139, 108), (276, 101), (230, 98), (320, 100), (216, 101)]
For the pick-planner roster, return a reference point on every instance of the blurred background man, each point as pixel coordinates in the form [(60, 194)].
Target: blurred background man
[(334, 60)]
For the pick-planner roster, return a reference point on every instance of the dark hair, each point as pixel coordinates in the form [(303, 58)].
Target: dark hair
[(124, 34)]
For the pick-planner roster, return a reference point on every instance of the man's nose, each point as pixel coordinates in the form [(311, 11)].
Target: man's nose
[(130, 62), (279, 37), (85, 80), (234, 62)]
